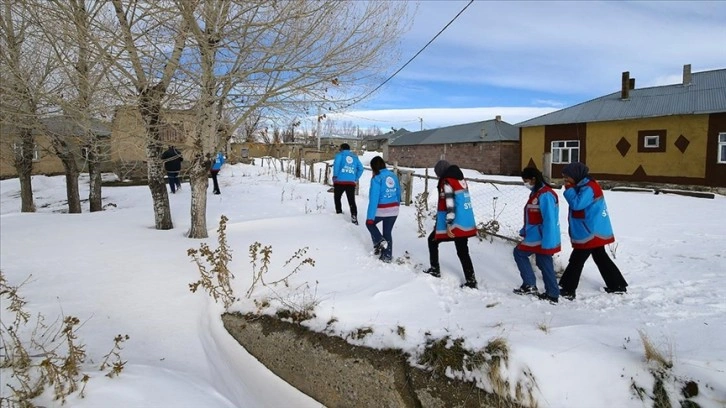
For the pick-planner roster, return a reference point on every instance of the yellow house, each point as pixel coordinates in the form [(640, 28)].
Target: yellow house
[(674, 134), (44, 159)]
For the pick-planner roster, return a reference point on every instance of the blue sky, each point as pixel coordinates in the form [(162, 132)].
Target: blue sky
[(521, 59)]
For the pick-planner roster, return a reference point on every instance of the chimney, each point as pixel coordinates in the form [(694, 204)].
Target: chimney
[(631, 84), (498, 118), (625, 86), (687, 74)]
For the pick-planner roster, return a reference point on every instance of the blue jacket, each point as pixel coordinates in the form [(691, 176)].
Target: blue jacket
[(347, 168), (541, 232), (384, 196), (588, 215), (454, 207), (218, 161)]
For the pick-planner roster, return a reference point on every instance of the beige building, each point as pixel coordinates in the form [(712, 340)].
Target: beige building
[(45, 160)]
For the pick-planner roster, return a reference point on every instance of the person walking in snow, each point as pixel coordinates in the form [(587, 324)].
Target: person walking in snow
[(347, 170), (540, 237), (172, 164), (214, 170), (384, 199), (454, 220), (590, 230)]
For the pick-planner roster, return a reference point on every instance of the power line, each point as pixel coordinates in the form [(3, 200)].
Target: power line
[(415, 55)]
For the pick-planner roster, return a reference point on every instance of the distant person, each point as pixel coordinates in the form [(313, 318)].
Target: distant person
[(216, 166), (347, 170), (590, 230), (540, 236), (454, 220), (384, 200), (172, 164)]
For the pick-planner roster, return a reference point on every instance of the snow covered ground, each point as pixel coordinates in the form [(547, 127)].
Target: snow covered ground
[(119, 275)]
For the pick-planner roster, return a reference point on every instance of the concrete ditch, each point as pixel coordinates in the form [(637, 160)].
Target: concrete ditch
[(339, 374)]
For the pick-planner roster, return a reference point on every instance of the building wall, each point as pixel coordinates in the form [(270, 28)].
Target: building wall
[(489, 158), (604, 156), (532, 142)]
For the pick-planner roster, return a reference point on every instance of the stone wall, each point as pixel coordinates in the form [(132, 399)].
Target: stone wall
[(500, 158), (338, 374)]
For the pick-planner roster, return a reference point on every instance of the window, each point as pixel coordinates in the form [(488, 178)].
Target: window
[(565, 151), (18, 148), (722, 147), (652, 141)]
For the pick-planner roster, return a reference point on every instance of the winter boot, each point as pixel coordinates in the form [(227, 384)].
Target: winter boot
[(433, 271), (354, 219), (526, 290), (617, 291), (470, 283), (380, 247), (544, 296)]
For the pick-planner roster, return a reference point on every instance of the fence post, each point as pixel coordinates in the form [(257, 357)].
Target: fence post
[(406, 180)]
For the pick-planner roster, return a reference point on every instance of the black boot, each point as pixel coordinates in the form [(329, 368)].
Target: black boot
[(434, 271), (470, 283)]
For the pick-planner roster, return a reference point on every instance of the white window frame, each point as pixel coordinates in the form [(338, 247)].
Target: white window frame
[(721, 152), (651, 138), (19, 148), (561, 148)]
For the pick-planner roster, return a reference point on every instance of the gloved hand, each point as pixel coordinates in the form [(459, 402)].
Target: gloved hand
[(370, 222)]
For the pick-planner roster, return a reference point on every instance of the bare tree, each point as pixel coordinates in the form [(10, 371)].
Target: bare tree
[(153, 39), (280, 56), (25, 72), (72, 28)]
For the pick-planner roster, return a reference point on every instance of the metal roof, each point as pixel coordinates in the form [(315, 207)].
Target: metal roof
[(487, 131), (705, 94), (66, 126)]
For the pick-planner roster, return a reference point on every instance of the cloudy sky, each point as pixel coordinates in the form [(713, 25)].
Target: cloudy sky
[(521, 59)]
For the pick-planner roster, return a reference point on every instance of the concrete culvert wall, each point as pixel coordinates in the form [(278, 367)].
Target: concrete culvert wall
[(339, 374)]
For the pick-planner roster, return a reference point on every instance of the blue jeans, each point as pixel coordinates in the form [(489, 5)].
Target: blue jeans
[(544, 263), (377, 237)]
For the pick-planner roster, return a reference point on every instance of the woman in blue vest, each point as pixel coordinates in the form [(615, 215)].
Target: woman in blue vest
[(454, 220), (590, 230), (540, 236), (384, 198), (216, 166)]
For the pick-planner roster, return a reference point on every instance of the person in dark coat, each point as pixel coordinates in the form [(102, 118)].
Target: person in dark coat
[(172, 164), (590, 230), (454, 220)]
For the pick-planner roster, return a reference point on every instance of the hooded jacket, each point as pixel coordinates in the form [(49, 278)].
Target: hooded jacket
[(589, 220), (541, 232), (172, 159), (454, 206), (347, 168), (384, 196)]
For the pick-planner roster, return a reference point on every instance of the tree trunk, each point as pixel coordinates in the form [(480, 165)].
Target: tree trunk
[(150, 107), (24, 167), (199, 182), (94, 174), (159, 195), (72, 192)]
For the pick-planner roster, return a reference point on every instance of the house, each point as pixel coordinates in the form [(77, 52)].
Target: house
[(491, 146), (674, 134), (44, 159), (380, 143), (128, 139)]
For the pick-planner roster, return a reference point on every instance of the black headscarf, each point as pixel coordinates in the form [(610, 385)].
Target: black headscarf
[(577, 171)]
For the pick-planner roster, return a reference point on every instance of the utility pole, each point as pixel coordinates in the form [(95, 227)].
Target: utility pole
[(318, 131), (420, 120)]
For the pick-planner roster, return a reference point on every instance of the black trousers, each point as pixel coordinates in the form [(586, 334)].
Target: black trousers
[(349, 190), (214, 180), (462, 251), (609, 271)]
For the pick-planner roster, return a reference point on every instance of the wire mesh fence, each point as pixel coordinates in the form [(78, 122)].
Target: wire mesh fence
[(497, 200)]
